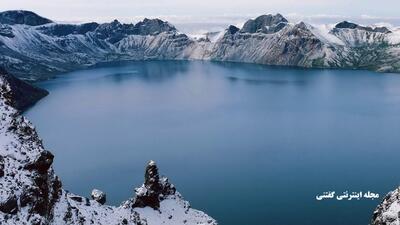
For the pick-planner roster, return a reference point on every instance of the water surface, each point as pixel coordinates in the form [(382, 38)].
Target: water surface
[(248, 144)]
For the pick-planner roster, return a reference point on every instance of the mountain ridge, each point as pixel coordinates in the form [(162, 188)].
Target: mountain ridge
[(40, 51)]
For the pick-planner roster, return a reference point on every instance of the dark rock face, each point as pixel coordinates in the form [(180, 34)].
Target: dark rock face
[(60, 30), (382, 30), (349, 25), (151, 177), (98, 196), (42, 163), (22, 17), (114, 31), (301, 43), (153, 189), (9, 205), (42, 196), (153, 27), (1, 166), (6, 31), (265, 24), (21, 94), (232, 29)]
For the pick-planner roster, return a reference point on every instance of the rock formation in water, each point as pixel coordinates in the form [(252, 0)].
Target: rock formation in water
[(32, 47), (388, 212), (31, 193)]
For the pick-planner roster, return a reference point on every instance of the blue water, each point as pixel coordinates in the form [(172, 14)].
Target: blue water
[(248, 144)]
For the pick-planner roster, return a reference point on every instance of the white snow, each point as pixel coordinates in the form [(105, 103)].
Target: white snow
[(174, 211), (394, 37), (323, 32)]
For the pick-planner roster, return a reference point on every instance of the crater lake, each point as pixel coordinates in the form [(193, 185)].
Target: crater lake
[(248, 144)]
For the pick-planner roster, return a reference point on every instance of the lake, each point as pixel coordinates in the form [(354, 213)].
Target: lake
[(248, 144)]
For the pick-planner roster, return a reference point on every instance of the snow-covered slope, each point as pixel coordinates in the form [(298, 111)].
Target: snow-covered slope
[(388, 212), (31, 193), (38, 49)]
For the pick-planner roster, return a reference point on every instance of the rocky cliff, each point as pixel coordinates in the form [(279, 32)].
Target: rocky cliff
[(31, 193), (21, 94), (388, 212), (32, 47)]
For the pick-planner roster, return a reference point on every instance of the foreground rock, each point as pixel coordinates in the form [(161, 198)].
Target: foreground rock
[(98, 196), (34, 48), (154, 189), (388, 212), (31, 193)]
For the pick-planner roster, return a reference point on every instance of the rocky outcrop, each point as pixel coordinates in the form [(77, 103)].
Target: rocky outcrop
[(42, 162), (1, 166), (266, 24), (61, 30), (388, 212), (349, 25), (22, 17), (20, 94), (31, 193), (9, 205), (154, 189), (98, 196), (6, 31), (153, 27)]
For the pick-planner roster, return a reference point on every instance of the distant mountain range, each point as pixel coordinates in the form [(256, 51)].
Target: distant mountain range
[(33, 47)]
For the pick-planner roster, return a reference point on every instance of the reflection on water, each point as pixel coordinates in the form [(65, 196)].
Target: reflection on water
[(249, 144)]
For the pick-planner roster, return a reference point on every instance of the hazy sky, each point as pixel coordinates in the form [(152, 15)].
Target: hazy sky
[(101, 10)]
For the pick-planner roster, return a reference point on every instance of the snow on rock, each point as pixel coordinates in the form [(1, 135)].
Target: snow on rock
[(31, 193), (388, 212), (394, 38), (323, 32), (98, 196), (38, 52)]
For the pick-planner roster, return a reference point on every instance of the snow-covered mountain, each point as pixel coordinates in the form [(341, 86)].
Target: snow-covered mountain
[(33, 47), (31, 193)]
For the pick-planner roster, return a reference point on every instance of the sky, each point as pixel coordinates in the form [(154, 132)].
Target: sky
[(208, 11)]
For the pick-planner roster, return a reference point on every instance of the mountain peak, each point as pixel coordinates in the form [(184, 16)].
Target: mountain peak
[(153, 26), (350, 25), (232, 29), (12, 17), (265, 24), (346, 24)]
